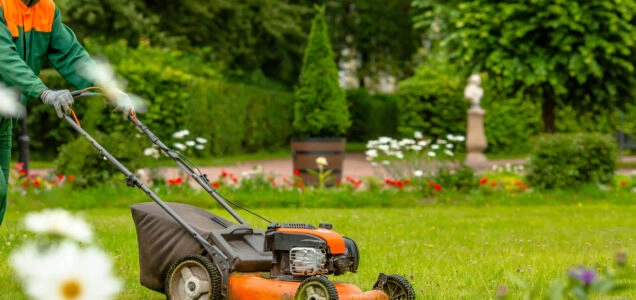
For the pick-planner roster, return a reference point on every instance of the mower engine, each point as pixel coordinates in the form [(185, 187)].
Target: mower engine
[(301, 250)]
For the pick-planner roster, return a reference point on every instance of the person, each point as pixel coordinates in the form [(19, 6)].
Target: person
[(32, 31)]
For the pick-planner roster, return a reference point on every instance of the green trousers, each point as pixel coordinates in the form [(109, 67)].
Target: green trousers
[(6, 126)]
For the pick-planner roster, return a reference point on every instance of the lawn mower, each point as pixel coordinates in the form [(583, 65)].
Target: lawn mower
[(189, 253)]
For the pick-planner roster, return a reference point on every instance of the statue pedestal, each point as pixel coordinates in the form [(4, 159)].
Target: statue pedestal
[(475, 136)]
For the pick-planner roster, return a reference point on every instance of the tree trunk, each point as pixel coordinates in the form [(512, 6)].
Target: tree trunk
[(548, 112)]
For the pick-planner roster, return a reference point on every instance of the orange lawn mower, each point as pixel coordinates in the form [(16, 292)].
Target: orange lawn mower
[(189, 253)]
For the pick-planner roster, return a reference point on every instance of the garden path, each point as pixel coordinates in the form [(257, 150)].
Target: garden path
[(354, 165)]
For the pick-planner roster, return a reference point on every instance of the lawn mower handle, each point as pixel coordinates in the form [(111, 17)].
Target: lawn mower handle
[(131, 179), (201, 179)]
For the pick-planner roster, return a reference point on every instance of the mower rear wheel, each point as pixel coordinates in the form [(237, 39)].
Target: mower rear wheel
[(396, 287), (193, 277), (316, 288)]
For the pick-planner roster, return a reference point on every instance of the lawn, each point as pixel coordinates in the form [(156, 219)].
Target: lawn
[(447, 252)]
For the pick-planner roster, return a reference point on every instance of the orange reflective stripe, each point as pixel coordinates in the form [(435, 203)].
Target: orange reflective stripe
[(38, 17), (334, 240)]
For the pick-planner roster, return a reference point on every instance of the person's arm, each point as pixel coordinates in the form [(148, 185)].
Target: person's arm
[(67, 55), (13, 70)]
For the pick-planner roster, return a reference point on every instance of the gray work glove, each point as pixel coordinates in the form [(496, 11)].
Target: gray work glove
[(122, 102), (60, 99)]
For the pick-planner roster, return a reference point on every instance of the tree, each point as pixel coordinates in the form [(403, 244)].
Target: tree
[(321, 108), (377, 34), (576, 53)]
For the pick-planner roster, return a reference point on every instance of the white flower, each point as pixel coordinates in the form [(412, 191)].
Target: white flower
[(9, 102), (321, 161), (448, 152), (384, 140), (199, 147), (440, 141), (418, 135), (180, 146), (190, 143), (418, 173), (435, 146), (59, 222), (180, 134), (431, 154), (152, 151), (371, 153), (201, 140), (449, 146), (399, 154), (422, 143), (406, 142), (65, 271)]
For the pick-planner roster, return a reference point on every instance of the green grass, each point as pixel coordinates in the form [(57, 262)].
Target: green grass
[(447, 252)]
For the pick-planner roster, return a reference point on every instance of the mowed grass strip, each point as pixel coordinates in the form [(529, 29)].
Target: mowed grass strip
[(446, 252)]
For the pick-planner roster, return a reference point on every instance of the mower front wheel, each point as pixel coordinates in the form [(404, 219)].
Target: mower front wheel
[(395, 286), (316, 288), (193, 277)]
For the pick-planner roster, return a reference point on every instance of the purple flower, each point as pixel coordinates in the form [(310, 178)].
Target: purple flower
[(582, 274)]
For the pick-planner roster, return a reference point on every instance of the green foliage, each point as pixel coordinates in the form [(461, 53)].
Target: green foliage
[(112, 20), (321, 108), (461, 179), (510, 123), (80, 159), (372, 116), (577, 53), (571, 160), (432, 101)]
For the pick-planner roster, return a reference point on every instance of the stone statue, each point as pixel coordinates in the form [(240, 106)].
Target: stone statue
[(473, 92)]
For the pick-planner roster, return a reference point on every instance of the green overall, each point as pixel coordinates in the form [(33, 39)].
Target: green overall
[(29, 34)]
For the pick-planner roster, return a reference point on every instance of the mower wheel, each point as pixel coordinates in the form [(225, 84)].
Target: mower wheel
[(193, 277), (395, 286), (316, 288)]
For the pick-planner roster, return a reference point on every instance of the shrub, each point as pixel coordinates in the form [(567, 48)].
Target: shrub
[(321, 108), (570, 160), (372, 116)]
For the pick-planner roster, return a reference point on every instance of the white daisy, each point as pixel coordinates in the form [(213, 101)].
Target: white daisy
[(59, 222), (65, 272), (190, 143), (180, 134), (201, 140), (180, 146)]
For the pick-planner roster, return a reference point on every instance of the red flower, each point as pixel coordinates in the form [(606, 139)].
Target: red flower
[(483, 181), (623, 183), (517, 182), (70, 178), (36, 182), (437, 187), (60, 176), (296, 172), (175, 181), (494, 183), (215, 185), (223, 173), (406, 181), (234, 179)]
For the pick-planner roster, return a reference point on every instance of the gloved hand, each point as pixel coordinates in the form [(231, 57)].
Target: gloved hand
[(122, 102), (61, 99)]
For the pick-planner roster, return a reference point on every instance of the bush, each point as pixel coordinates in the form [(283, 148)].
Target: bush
[(372, 116), (571, 160)]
